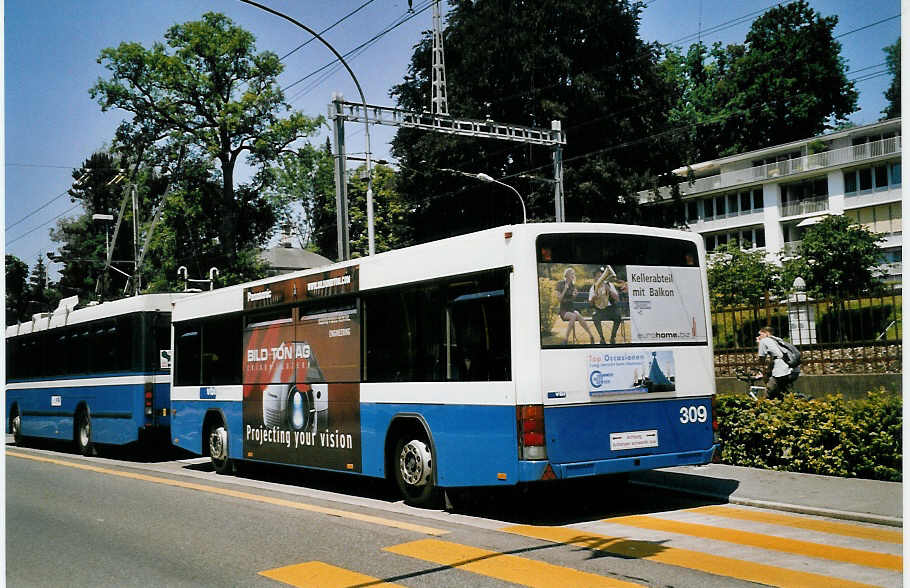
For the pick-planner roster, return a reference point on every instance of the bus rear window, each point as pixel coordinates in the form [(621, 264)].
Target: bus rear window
[(612, 289)]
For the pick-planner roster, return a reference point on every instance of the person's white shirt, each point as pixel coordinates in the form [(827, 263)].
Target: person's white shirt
[(769, 347)]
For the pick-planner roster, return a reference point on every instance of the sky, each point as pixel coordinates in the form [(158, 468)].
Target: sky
[(51, 49)]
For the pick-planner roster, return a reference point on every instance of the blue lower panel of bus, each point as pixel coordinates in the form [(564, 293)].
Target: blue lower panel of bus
[(117, 412), (473, 445), (187, 418), (606, 438)]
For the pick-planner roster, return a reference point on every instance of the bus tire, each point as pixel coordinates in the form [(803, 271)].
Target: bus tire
[(15, 425), (83, 433), (413, 464), (218, 448)]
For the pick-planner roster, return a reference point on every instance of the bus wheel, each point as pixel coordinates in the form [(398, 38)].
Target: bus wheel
[(414, 472), (218, 449), (84, 433), (15, 426)]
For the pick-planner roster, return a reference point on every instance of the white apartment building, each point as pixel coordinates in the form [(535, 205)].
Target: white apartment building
[(767, 198)]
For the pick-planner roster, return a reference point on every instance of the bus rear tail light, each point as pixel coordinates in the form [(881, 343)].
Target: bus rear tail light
[(531, 436), (149, 395)]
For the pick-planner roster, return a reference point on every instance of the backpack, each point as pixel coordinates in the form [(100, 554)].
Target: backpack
[(792, 355)]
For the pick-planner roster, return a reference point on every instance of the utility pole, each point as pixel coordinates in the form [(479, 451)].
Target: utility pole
[(438, 103), (341, 180)]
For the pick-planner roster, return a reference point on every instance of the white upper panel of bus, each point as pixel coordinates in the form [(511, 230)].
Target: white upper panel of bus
[(62, 316), (512, 245)]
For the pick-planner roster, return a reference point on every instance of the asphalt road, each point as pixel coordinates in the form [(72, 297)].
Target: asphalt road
[(118, 520)]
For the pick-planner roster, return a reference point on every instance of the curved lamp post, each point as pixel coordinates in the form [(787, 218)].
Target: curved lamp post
[(491, 180), (366, 116)]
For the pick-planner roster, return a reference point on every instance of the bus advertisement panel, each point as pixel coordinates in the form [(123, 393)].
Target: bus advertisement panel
[(301, 391)]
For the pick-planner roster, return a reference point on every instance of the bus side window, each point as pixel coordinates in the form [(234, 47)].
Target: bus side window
[(187, 356), (477, 337)]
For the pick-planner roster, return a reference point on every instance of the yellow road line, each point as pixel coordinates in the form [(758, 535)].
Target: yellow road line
[(316, 574), (860, 557), (684, 558), (510, 568), (809, 524), (235, 494)]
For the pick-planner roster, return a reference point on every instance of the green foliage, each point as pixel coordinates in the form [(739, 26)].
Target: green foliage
[(529, 64), (549, 305), (853, 324), (389, 212), (830, 436), (736, 276), (893, 93), (207, 91), (783, 84), (16, 276), (839, 255)]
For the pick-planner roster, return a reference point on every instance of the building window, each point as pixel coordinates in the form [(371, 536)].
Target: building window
[(758, 199), (884, 219), (692, 211), (748, 238), (879, 177)]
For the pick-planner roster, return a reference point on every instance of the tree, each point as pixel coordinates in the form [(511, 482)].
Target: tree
[(737, 276), (389, 212), (840, 256), (16, 285), (41, 295), (893, 93), (207, 90), (787, 82), (528, 64)]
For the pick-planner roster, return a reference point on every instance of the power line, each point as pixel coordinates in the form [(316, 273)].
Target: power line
[(360, 48), (868, 26), (30, 231), (327, 29), (43, 206)]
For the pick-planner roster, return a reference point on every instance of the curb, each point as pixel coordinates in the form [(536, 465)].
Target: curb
[(794, 508)]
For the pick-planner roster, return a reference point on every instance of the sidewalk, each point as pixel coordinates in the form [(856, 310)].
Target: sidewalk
[(852, 499)]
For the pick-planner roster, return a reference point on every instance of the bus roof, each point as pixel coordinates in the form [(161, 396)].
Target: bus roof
[(65, 315), (497, 247)]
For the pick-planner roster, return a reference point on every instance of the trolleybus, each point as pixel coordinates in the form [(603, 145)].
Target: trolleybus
[(97, 374), (510, 355)]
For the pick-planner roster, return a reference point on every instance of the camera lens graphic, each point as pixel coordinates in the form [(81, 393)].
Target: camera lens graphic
[(297, 415)]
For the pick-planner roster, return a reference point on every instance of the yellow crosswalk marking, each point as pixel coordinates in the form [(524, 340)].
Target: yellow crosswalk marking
[(693, 560), (345, 514), (873, 559), (809, 524), (511, 568), (316, 574)]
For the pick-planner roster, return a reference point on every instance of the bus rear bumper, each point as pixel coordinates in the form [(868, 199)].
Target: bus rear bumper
[(532, 471)]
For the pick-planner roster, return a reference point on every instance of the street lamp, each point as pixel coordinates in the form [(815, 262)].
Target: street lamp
[(107, 218), (366, 115), (491, 180)]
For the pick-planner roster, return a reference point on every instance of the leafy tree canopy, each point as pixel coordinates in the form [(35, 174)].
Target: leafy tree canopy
[(737, 276), (785, 83), (840, 256), (530, 63), (206, 90), (893, 93), (16, 288)]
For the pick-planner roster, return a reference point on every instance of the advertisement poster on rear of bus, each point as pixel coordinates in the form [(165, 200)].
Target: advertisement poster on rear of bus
[(631, 371), (301, 391), (585, 304)]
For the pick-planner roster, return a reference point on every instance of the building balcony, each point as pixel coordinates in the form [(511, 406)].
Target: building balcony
[(772, 171), (804, 206)]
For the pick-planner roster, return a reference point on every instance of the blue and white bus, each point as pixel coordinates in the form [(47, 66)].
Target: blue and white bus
[(510, 355), (98, 374)]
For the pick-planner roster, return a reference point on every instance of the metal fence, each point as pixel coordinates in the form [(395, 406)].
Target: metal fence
[(846, 334)]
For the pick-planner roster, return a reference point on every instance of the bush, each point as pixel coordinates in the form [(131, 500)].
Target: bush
[(829, 436), (853, 324)]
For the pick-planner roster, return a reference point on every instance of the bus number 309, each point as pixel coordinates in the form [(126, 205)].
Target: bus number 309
[(693, 414)]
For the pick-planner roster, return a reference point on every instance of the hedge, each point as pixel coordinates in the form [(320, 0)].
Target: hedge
[(828, 436)]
